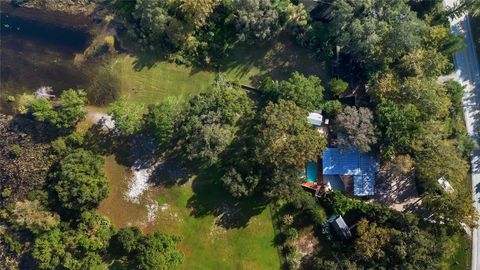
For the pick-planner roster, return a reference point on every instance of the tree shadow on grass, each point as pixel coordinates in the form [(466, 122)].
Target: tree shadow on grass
[(210, 198), (104, 141), (169, 172), (38, 131)]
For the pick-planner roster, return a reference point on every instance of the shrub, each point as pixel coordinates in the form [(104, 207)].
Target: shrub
[(337, 86), (290, 234), (15, 151), (6, 193)]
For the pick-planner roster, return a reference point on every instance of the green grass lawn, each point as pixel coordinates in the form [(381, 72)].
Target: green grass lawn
[(244, 242), (461, 250), (146, 81), (151, 84)]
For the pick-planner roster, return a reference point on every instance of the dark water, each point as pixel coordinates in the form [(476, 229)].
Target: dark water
[(36, 53)]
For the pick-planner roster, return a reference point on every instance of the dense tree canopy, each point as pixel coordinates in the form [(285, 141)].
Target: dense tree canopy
[(156, 26), (64, 113), (306, 92), (157, 252), (33, 216), (126, 116), (196, 12), (80, 184), (372, 31), (208, 123), (397, 124), (286, 139), (256, 20), (159, 122)]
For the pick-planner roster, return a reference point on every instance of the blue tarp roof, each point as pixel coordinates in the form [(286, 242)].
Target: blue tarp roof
[(361, 166)]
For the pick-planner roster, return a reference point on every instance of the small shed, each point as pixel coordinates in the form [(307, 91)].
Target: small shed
[(315, 118), (340, 227)]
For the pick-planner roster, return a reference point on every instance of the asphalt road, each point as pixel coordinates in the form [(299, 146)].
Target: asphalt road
[(467, 73)]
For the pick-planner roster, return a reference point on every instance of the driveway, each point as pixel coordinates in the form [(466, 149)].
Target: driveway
[(467, 73)]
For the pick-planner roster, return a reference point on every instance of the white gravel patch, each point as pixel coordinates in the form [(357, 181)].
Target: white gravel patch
[(152, 211), (138, 184)]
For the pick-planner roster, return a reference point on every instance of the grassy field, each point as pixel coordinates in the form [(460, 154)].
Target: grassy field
[(150, 84), (147, 82), (217, 233)]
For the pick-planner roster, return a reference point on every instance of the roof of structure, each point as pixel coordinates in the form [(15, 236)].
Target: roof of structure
[(340, 226), (315, 118), (361, 166)]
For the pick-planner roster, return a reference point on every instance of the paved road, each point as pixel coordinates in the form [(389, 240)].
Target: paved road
[(467, 73)]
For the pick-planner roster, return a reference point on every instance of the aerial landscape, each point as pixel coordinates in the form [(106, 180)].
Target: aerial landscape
[(239, 134)]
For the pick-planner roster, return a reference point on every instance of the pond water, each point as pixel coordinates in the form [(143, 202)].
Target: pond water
[(38, 50)]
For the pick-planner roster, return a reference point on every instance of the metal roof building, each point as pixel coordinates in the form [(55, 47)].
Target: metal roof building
[(352, 162)]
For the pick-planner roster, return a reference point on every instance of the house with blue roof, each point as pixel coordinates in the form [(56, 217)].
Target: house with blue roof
[(348, 170)]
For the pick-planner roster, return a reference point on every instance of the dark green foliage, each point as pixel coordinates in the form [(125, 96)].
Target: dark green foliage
[(256, 20), (371, 32), (332, 108), (159, 122), (93, 232), (74, 249), (306, 92), (63, 145), (208, 124), (285, 138), (336, 87), (455, 92), (157, 252), (238, 185), (338, 203), (397, 124), (156, 25), (126, 240), (436, 159), (79, 182), (49, 249), (67, 112)]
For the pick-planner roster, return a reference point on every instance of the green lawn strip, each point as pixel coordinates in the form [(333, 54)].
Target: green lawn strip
[(209, 246), (459, 246)]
